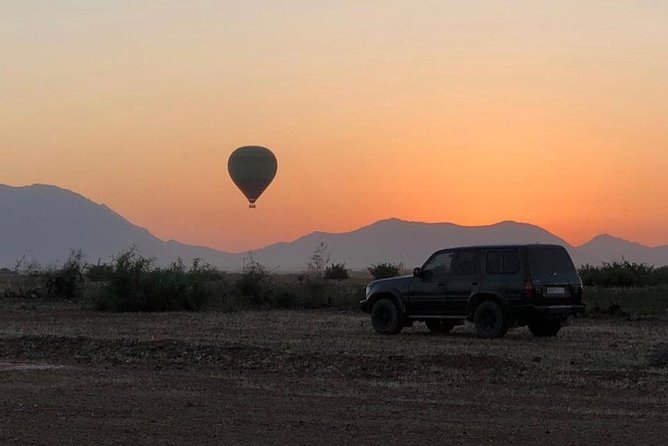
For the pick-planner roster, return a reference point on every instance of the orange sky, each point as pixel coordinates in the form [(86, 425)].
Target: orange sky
[(552, 113)]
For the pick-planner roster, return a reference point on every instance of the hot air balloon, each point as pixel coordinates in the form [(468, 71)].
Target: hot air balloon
[(252, 168)]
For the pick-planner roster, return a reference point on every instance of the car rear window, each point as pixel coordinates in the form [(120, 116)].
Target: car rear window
[(503, 261), (551, 264)]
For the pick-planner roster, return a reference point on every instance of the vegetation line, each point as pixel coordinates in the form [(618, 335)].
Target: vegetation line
[(135, 283)]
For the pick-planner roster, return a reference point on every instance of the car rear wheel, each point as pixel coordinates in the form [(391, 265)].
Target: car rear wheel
[(442, 326), (545, 328), (490, 320), (386, 317)]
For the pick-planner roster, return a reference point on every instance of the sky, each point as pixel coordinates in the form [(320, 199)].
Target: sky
[(551, 113)]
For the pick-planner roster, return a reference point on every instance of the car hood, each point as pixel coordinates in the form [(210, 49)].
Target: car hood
[(401, 282)]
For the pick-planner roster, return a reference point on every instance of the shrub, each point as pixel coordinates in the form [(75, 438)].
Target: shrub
[(344, 294), (659, 276), (285, 298), (137, 284), (254, 281), (636, 301), (315, 289), (623, 274), (98, 273), (65, 283), (336, 271), (384, 270)]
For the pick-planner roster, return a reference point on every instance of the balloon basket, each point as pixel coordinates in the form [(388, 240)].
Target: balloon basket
[(251, 206)]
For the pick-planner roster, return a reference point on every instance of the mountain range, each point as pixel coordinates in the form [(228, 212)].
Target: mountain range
[(44, 223)]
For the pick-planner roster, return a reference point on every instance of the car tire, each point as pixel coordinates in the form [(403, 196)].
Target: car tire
[(440, 326), (545, 328), (386, 317), (490, 320)]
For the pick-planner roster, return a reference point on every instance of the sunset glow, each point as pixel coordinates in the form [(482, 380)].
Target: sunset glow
[(552, 113)]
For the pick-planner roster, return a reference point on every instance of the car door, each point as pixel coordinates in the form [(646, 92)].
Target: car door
[(503, 274), (426, 295), (464, 278)]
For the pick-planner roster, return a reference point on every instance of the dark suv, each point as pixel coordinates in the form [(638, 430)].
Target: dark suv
[(495, 287)]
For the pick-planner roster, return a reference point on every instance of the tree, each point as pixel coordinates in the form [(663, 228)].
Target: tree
[(319, 261)]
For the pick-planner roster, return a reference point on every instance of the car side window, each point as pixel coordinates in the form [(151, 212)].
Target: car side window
[(466, 263), (439, 265), (503, 262), (511, 262), (494, 262)]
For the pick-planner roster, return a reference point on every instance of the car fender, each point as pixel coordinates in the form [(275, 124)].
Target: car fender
[(389, 294), (476, 297)]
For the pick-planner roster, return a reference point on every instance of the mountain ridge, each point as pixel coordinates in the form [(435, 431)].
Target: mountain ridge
[(45, 222)]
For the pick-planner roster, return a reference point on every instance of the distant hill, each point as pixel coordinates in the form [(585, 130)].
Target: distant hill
[(400, 241), (605, 248), (45, 222)]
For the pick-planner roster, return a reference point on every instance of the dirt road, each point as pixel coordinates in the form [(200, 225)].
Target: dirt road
[(70, 376)]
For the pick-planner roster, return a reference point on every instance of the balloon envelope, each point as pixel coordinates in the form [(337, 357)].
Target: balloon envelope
[(252, 168)]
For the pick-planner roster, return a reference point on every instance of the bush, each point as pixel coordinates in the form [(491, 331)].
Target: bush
[(98, 273), (284, 298), (315, 292), (636, 301), (254, 281), (659, 276), (623, 274), (384, 270), (336, 271), (132, 282), (137, 284), (65, 283)]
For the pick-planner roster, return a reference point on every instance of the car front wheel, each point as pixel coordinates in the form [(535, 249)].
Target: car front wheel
[(490, 320), (386, 317)]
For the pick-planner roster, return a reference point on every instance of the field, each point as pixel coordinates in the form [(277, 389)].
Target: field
[(70, 375)]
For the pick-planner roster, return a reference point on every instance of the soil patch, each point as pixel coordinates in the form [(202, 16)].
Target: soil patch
[(11, 366), (235, 356)]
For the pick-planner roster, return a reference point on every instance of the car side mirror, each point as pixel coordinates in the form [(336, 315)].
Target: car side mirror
[(417, 272)]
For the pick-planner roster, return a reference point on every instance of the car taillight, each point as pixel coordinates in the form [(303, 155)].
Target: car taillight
[(528, 289)]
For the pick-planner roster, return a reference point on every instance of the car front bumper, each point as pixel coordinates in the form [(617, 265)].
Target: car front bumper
[(364, 306)]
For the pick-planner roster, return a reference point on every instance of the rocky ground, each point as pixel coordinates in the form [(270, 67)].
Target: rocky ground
[(72, 376)]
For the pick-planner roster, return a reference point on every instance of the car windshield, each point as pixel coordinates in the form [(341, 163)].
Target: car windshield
[(551, 264), (439, 264)]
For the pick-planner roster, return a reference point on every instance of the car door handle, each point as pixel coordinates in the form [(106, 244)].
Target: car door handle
[(474, 283), (441, 285)]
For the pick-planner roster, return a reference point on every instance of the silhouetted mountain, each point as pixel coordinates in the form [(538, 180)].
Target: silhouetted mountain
[(399, 241), (45, 222), (605, 248)]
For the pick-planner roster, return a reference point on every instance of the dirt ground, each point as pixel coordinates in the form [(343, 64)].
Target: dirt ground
[(72, 376)]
